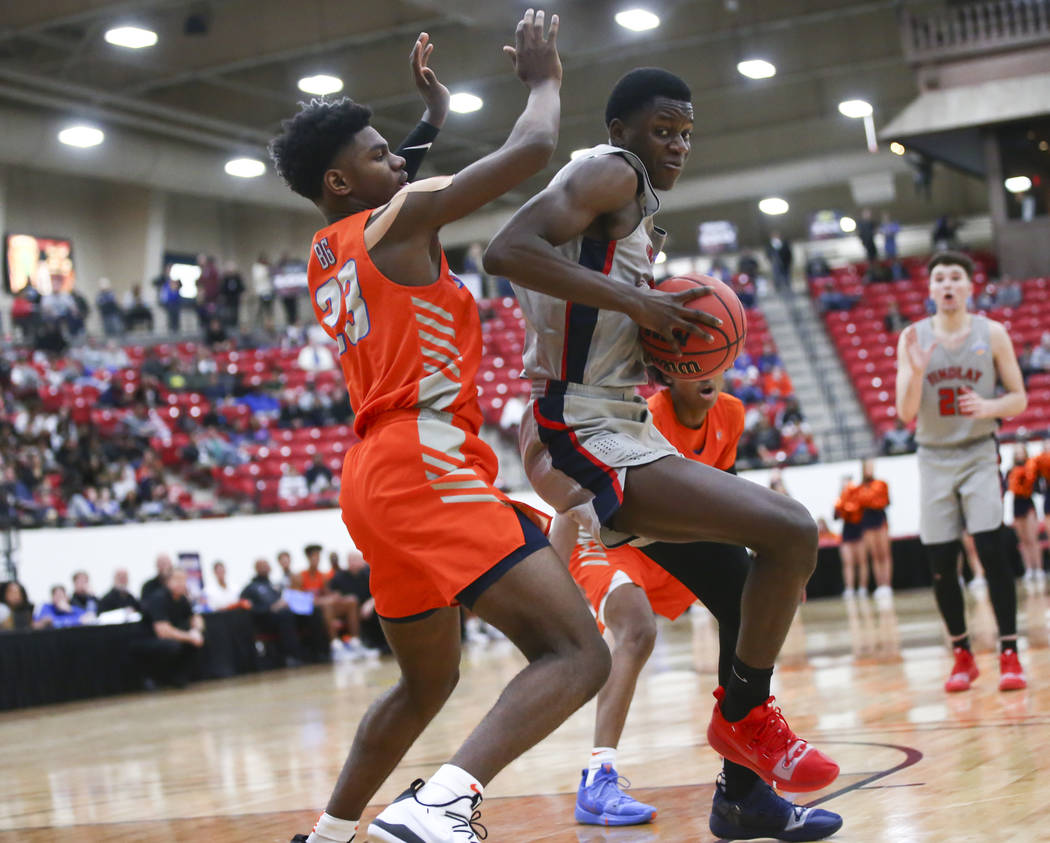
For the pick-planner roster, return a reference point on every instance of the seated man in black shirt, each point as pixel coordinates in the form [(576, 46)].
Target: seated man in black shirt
[(171, 655), (272, 615), (164, 567), (352, 581), (119, 597), (82, 597)]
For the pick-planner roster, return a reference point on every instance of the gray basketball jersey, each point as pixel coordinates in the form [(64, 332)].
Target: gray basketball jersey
[(565, 341), (972, 365)]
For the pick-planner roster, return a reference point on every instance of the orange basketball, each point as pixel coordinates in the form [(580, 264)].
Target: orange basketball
[(700, 359)]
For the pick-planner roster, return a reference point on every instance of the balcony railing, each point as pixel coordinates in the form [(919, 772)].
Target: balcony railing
[(933, 31)]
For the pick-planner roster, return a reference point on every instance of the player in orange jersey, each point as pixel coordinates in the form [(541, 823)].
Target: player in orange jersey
[(850, 510), (627, 589), (417, 492), (1020, 482), (875, 498), (337, 610)]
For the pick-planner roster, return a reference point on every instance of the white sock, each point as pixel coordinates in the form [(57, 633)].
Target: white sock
[(449, 783), (600, 755), (331, 829)]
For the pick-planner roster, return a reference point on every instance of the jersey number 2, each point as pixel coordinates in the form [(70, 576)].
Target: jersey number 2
[(946, 401), (339, 295)]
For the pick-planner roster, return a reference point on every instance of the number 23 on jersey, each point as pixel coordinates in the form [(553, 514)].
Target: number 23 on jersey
[(344, 312)]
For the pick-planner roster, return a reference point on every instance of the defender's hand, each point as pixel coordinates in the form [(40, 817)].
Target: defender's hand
[(435, 96), (535, 57), (667, 315)]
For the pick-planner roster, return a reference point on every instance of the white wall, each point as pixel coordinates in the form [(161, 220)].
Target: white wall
[(50, 556)]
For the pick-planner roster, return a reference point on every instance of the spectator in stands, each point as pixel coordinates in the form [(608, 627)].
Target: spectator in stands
[(744, 287), (1011, 293), (768, 441), (164, 569), (986, 298), (341, 613), (353, 581), (768, 358), (170, 295), (890, 228), (790, 413), (262, 287), (82, 597), (832, 299), (750, 389), (866, 235), (19, 611), (747, 265), (209, 289), (316, 356), (778, 250), (319, 477), (945, 234), (232, 288), (1040, 359), (219, 595), (136, 311), (171, 654), (109, 309), (83, 507), (287, 578), (797, 444), (271, 613), (894, 321), (292, 487), (817, 267), (897, 440), (215, 333), (60, 613), (119, 597), (1024, 360), (776, 383)]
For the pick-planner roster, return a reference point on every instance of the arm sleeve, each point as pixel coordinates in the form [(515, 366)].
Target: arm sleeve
[(414, 148)]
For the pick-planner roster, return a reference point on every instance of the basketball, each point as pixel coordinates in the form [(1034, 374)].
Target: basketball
[(701, 359)]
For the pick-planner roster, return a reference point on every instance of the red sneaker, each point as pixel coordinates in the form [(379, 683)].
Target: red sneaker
[(964, 671), (1011, 674), (764, 742)]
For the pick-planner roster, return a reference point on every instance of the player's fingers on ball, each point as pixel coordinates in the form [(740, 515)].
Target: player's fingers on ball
[(701, 318), (694, 328), (693, 293)]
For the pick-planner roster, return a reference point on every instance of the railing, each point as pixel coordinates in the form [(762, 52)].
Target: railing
[(933, 31)]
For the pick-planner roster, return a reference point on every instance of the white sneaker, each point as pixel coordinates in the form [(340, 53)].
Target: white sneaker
[(407, 820), (849, 594), (884, 596), (339, 651), (978, 585)]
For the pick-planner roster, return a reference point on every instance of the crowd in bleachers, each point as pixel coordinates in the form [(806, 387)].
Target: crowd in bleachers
[(865, 313)]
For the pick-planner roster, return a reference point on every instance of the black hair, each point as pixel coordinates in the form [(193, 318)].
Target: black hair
[(952, 259), (312, 138), (640, 87)]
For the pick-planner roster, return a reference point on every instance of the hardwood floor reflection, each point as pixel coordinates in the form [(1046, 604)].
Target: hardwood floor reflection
[(253, 759)]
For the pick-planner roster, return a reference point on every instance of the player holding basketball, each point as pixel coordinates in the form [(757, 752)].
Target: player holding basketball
[(626, 589), (580, 253), (417, 493), (948, 366)]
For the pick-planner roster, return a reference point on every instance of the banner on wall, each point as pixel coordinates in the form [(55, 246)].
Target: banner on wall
[(190, 562), (43, 263)]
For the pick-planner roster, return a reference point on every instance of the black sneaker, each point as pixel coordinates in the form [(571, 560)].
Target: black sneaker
[(762, 813)]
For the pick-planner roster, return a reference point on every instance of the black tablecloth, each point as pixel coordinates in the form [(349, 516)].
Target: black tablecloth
[(58, 665)]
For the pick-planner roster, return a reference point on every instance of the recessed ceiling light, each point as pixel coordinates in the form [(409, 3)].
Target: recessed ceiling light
[(245, 168), (132, 37), (464, 103), (756, 69), (897, 148), (774, 206), (81, 136), (855, 108), (848, 224), (321, 84), (637, 20), (1018, 184)]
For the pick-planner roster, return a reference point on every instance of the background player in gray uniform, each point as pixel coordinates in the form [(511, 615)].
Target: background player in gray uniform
[(581, 255), (948, 367)]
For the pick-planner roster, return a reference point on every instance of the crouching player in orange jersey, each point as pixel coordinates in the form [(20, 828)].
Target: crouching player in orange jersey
[(627, 589)]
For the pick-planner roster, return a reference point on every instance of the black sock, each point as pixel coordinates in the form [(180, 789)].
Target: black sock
[(748, 687), (739, 780), (1007, 644), (962, 643)]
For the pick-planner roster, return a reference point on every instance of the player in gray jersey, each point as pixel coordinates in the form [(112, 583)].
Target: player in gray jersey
[(580, 254), (948, 369)]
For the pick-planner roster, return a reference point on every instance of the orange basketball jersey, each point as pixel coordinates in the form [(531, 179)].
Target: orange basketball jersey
[(1021, 480), (850, 505), (423, 344), (714, 442), (874, 494)]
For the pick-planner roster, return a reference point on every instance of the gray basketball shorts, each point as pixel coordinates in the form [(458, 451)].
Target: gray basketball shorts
[(959, 488)]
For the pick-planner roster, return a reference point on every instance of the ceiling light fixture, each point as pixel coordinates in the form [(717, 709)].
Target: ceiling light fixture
[(756, 69), (774, 206), (464, 103), (245, 168), (848, 225), (897, 148), (321, 84), (855, 108), (81, 136), (637, 20), (132, 37), (1018, 184)]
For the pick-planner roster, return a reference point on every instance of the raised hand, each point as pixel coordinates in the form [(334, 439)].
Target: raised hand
[(435, 95), (918, 357), (535, 57), (667, 315)]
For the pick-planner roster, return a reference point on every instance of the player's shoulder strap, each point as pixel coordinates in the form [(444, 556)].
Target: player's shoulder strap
[(383, 217), (645, 187)]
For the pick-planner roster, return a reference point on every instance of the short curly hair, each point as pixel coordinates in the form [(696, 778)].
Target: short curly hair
[(312, 138), (641, 86)]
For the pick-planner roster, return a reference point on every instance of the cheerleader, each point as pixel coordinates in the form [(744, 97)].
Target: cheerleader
[(875, 498), (849, 509)]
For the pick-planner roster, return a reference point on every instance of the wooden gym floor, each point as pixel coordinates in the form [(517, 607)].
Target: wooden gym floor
[(254, 758)]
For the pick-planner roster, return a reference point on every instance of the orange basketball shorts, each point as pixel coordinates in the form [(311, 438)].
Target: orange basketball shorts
[(419, 501)]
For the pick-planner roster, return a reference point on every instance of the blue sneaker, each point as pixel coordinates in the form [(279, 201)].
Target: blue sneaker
[(604, 803), (762, 813)]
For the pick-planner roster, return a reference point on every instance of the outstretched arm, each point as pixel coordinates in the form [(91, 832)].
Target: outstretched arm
[(435, 98)]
